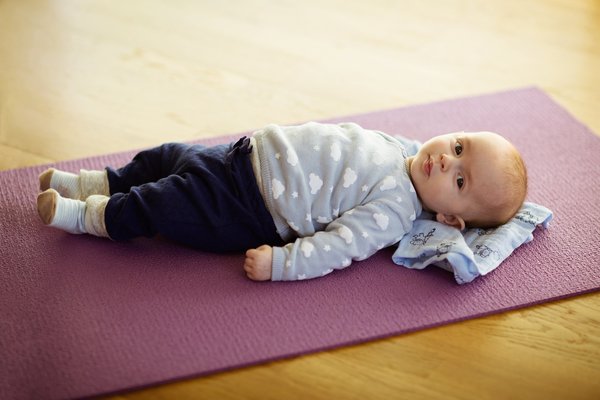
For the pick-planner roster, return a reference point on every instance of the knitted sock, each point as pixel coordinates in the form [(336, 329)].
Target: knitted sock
[(65, 183), (93, 183), (74, 186), (62, 213), (95, 206)]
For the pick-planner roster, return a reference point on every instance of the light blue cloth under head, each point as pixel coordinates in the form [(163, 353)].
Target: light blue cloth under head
[(472, 252)]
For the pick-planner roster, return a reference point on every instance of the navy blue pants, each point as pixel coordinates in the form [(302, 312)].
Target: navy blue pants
[(204, 197)]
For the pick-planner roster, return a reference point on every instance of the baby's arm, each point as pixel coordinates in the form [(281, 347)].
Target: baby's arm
[(355, 235), (258, 263)]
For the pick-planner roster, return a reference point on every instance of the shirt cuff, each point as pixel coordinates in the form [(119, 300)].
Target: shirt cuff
[(277, 264)]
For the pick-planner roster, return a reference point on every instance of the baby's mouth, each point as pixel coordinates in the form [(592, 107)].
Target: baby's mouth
[(427, 166)]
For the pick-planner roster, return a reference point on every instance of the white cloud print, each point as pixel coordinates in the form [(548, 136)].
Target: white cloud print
[(315, 183), (389, 183), (336, 152), (378, 158), (349, 177), (346, 234), (277, 188), (307, 248), (323, 220), (381, 220), (292, 157)]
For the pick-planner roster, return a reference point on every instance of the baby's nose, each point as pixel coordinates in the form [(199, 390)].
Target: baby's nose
[(445, 162)]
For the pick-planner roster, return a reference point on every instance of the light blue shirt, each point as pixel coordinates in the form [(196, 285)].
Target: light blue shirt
[(337, 193)]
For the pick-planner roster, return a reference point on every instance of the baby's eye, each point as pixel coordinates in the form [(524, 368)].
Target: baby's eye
[(458, 148), (460, 181)]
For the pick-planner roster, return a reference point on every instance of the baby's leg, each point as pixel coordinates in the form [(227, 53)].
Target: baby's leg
[(73, 216), (168, 207), (152, 165), (74, 186), (217, 208)]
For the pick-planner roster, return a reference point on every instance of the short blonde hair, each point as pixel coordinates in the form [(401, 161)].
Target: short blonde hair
[(500, 209)]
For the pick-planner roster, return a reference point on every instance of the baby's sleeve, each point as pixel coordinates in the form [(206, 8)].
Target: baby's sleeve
[(355, 235)]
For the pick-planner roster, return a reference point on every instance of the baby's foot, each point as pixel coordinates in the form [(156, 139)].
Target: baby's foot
[(73, 186), (61, 213), (45, 178), (46, 204), (65, 183)]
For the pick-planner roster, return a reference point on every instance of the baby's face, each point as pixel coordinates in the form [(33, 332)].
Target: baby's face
[(455, 173)]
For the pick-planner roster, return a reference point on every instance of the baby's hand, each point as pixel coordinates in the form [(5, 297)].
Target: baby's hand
[(258, 263)]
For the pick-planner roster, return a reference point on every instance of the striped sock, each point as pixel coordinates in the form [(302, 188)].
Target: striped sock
[(69, 215), (66, 183)]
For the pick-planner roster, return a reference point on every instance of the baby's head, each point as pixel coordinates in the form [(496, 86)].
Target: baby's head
[(469, 179)]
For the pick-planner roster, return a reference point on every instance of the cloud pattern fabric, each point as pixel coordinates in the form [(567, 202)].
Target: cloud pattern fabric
[(337, 193)]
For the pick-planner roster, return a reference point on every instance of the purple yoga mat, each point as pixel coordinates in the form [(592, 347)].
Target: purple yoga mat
[(83, 316)]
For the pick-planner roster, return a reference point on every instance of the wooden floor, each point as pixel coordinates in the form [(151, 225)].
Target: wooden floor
[(79, 78)]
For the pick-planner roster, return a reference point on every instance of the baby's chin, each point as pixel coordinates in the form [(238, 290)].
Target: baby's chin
[(425, 207)]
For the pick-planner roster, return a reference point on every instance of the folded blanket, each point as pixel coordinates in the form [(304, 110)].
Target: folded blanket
[(472, 252)]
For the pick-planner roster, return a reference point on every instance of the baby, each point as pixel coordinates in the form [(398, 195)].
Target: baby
[(305, 200)]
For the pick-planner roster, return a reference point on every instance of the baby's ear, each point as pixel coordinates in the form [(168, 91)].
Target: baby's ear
[(451, 220)]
